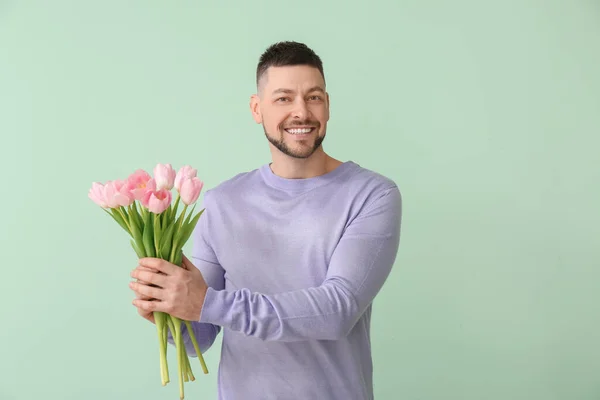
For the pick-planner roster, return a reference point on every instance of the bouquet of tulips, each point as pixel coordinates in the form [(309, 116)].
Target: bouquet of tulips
[(142, 205)]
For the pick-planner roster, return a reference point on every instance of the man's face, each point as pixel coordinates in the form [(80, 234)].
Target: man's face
[(293, 107)]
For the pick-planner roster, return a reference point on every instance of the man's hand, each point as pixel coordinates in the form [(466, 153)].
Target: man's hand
[(149, 315), (178, 291)]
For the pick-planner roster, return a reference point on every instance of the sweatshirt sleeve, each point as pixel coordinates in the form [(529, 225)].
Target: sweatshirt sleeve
[(204, 259), (357, 271)]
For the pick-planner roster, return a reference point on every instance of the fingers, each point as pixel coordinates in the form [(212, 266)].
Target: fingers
[(159, 264), (142, 296), (149, 276), (148, 315), (142, 268), (150, 306), (147, 291), (153, 278)]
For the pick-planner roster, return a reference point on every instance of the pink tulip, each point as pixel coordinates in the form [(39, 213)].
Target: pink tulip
[(137, 183), (148, 190), (154, 199), (112, 194), (164, 175), (184, 172), (190, 190), (117, 194), (96, 193), (157, 201)]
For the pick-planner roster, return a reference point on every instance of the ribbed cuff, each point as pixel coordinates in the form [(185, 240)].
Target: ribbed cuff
[(212, 309)]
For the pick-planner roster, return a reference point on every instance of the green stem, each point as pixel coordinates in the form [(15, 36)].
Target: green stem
[(171, 327), (125, 219), (185, 366), (156, 235), (196, 346), (165, 344), (178, 344), (191, 376), (159, 319)]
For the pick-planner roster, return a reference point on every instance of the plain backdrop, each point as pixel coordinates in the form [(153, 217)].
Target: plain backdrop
[(486, 114)]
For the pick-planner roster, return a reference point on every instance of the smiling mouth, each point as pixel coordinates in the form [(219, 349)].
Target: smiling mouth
[(300, 131)]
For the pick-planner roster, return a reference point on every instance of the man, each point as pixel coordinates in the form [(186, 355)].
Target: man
[(287, 258)]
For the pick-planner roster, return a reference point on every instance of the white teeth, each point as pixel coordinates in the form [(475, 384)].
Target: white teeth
[(299, 131)]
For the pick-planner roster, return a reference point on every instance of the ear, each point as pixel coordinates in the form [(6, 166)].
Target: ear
[(255, 108)]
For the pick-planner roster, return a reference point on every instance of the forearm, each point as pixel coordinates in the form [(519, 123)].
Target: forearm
[(326, 313), (357, 271)]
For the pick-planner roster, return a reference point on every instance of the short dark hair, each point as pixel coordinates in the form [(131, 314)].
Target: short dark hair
[(287, 53)]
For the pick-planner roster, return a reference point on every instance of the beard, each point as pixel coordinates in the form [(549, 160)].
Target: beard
[(282, 145)]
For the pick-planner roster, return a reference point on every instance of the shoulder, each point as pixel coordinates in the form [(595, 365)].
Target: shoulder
[(372, 177), (232, 187), (373, 186)]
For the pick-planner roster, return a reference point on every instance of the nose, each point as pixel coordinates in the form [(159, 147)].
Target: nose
[(300, 110)]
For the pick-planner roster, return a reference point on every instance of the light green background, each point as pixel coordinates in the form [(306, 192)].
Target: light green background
[(487, 115)]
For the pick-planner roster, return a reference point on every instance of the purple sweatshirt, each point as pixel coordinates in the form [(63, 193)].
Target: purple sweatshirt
[(293, 266)]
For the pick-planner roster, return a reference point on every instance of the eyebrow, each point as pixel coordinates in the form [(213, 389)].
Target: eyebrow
[(312, 89)]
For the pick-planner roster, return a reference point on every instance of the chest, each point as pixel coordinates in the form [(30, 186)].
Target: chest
[(279, 245)]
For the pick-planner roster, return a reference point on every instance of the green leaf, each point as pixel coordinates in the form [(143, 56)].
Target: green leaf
[(164, 220), (187, 221), (135, 223), (117, 217), (175, 246), (143, 213), (179, 219), (137, 226), (167, 241), (124, 215), (183, 234), (188, 228), (178, 258), (178, 223), (168, 234), (137, 237), (148, 235), (174, 209), (140, 253), (135, 215), (157, 235)]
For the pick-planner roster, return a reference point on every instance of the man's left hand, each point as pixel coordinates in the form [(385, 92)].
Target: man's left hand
[(180, 291)]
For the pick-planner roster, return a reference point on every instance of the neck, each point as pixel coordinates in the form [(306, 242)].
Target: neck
[(317, 164)]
